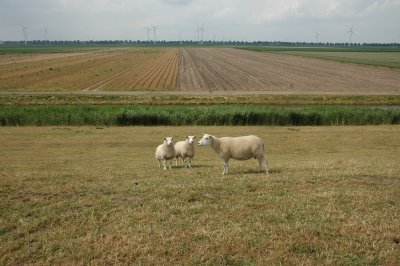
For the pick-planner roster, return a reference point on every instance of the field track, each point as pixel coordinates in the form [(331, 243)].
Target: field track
[(226, 69)]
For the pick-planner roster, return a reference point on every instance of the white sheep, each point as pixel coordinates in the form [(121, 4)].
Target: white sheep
[(185, 149), (239, 148), (165, 152)]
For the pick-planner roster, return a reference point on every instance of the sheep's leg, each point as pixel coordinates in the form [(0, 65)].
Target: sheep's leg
[(266, 166), (159, 163), (176, 160), (190, 162), (165, 164), (225, 167), (170, 164), (260, 162)]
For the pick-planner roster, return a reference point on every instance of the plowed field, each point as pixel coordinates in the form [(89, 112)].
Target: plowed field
[(201, 70), (111, 69), (224, 69)]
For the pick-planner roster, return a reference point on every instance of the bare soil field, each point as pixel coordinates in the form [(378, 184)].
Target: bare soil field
[(110, 69), (226, 69)]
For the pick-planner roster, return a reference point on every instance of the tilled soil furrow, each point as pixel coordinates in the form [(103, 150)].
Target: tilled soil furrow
[(227, 69)]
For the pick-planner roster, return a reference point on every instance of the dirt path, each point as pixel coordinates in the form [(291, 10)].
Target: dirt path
[(226, 69)]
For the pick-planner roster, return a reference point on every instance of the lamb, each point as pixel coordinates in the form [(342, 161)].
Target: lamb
[(165, 152), (185, 149), (239, 148)]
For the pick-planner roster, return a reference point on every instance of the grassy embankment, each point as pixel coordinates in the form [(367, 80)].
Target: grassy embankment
[(81, 195), (108, 115)]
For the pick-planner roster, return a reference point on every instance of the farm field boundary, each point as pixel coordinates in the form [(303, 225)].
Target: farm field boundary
[(193, 99)]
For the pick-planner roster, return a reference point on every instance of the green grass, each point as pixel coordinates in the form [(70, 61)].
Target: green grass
[(157, 99), (148, 115), (84, 195)]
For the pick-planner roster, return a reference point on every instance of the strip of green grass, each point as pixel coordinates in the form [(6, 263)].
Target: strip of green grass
[(196, 115), (73, 99)]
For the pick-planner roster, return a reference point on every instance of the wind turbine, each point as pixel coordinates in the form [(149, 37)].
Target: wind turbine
[(317, 37), (154, 32), (180, 38), (200, 31), (45, 33), (25, 32), (148, 33), (351, 33)]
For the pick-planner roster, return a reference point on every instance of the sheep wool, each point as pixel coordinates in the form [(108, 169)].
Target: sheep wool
[(238, 148), (165, 152), (185, 150)]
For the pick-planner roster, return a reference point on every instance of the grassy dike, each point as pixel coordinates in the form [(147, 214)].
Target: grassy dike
[(206, 115)]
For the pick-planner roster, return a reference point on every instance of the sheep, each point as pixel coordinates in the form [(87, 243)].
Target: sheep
[(185, 149), (239, 148), (165, 152)]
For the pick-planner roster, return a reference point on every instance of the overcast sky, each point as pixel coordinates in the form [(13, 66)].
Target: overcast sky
[(243, 20)]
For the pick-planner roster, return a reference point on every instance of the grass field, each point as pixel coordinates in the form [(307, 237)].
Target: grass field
[(154, 98), (86, 195)]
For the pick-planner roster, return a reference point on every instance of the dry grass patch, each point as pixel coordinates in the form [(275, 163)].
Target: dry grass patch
[(95, 195)]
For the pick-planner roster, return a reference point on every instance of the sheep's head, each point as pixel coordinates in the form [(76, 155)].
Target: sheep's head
[(190, 139), (168, 140), (206, 140)]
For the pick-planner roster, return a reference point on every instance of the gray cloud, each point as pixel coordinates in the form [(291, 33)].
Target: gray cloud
[(294, 20)]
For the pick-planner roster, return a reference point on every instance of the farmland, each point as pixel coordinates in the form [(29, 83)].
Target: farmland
[(239, 70), (101, 69), (96, 195), (389, 57), (198, 71)]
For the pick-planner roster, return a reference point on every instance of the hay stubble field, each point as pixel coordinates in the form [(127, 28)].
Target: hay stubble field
[(87, 195)]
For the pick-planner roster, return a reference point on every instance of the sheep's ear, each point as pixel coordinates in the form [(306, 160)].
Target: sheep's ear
[(194, 137), (187, 137)]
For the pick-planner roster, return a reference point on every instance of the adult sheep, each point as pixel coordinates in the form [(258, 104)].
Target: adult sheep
[(165, 152), (185, 149), (238, 148)]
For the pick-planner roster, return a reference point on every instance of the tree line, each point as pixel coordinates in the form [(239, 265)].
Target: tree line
[(205, 43)]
